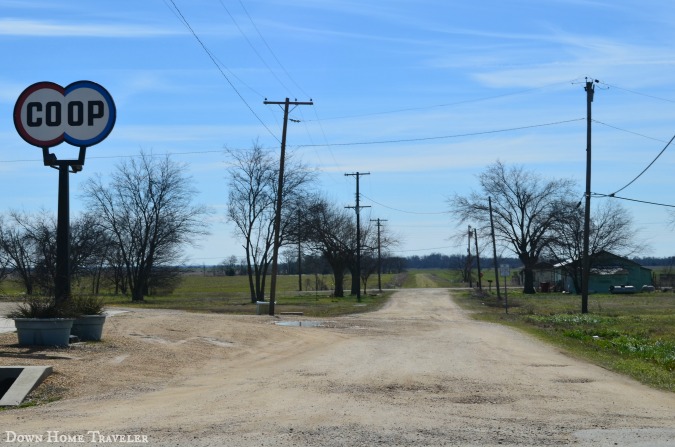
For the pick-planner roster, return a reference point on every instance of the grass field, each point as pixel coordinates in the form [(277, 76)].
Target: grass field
[(230, 294), (631, 334)]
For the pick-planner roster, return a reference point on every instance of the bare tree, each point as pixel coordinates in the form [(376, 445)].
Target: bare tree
[(28, 244), (19, 254), (147, 209), (611, 229), (525, 208), (368, 267), (6, 262), (331, 231), (253, 184), (369, 250)]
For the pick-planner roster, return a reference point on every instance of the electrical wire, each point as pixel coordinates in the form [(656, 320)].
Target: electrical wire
[(629, 131), (487, 132), (612, 196), (206, 50), (241, 31), (402, 211), (471, 134), (435, 106), (270, 50), (645, 169), (637, 93)]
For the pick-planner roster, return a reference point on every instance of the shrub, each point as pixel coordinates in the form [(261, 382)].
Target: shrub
[(88, 305), (42, 307)]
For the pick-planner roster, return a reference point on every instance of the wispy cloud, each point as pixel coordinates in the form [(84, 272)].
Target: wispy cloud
[(43, 28), (573, 55)]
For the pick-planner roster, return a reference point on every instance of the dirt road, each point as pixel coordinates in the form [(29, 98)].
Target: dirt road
[(417, 373)]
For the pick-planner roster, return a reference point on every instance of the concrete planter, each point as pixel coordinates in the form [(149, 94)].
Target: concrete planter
[(263, 307), (88, 327), (43, 331)]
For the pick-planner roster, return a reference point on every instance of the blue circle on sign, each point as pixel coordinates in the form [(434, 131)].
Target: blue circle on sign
[(109, 120)]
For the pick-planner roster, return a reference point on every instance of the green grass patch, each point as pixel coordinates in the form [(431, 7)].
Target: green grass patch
[(230, 294), (631, 334), (432, 278)]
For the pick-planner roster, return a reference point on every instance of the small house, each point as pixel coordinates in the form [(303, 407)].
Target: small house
[(607, 271)]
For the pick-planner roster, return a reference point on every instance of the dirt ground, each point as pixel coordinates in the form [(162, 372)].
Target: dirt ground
[(419, 372)]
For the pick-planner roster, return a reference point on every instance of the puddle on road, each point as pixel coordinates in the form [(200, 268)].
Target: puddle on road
[(300, 323)]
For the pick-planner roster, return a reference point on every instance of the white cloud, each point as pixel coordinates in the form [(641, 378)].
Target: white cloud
[(37, 28)]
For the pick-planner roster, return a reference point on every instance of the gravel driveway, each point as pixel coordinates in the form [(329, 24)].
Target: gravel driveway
[(417, 373)]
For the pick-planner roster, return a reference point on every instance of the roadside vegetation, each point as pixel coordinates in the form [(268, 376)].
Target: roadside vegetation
[(629, 334), (199, 292)]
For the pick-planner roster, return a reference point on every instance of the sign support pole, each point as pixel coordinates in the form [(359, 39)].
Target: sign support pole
[(62, 286), (62, 283)]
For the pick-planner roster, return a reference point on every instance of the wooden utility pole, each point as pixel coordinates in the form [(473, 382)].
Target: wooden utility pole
[(469, 261), (299, 217), (494, 249), (357, 208), (585, 274), (475, 239), (277, 216), (299, 267), (379, 253)]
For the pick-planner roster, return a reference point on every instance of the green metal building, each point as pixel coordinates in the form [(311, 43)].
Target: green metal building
[(607, 271)]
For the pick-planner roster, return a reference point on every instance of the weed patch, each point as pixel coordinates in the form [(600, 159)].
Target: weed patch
[(633, 335)]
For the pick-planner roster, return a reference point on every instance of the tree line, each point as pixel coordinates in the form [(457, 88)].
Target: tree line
[(137, 222), (129, 239)]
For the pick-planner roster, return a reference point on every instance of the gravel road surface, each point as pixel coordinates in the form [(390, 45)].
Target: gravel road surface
[(419, 372)]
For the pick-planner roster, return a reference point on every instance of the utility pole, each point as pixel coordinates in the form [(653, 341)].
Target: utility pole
[(299, 267), (277, 216), (494, 249), (469, 261), (475, 239), (379, 253), (299, 251), (585, 274), (357, 208)]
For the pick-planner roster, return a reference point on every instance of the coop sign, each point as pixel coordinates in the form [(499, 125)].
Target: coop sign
[(81, 114)]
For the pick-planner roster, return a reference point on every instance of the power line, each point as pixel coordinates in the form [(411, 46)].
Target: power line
[(638, 93), (270, 50), (206, 50), (645, 169), (409, 140), (612, 196), (241, 31), (403, 211), (435, 106), (629, 131), (487, 132)]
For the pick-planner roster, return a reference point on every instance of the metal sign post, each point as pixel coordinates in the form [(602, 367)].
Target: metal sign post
[(45, 115)]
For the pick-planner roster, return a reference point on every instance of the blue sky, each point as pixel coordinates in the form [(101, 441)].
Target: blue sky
[(421, 94)]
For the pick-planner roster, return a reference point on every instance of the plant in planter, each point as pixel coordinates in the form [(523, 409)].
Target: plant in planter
[(41, 321), (89, 324)]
